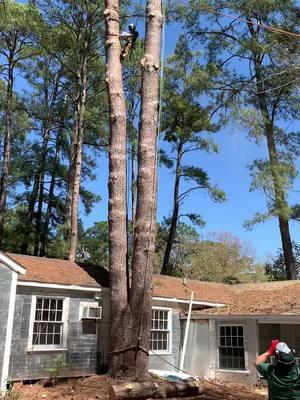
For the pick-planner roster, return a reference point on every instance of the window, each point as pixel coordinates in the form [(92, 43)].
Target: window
[(231, 348), (48, 323), (160, 330)]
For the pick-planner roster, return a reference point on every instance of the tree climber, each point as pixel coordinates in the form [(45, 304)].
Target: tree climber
[(129, 39)]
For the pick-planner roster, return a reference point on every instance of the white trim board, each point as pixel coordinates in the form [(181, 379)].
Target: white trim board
[(12, 264), (196, 302), (9, 331), (58, 286)]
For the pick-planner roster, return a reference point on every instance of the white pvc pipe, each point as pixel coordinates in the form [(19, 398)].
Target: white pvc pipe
[(186, 333)]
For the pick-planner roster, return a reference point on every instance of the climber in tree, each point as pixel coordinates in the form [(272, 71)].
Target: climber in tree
[(129, 39)]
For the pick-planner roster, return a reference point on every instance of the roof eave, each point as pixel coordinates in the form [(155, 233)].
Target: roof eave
[(12, 264)]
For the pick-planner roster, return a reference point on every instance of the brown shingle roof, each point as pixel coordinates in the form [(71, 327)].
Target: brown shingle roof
[(242, 299), (261, 298), (63, 272), (168, 286)]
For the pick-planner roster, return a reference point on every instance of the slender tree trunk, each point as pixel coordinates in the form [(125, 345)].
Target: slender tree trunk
[(7, 145), (77, 170), (280, 200), (80, 112), (116, 186), (30, 215), (42, 168), (45, 231), (175, 213)]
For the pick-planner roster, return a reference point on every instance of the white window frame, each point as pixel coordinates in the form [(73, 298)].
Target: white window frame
[(219, 345), (65, 313), (169, 350)]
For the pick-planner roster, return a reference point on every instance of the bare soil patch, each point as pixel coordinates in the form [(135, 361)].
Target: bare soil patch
[(96, 387)]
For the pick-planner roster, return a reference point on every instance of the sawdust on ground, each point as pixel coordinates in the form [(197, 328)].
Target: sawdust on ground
[(96, 387)]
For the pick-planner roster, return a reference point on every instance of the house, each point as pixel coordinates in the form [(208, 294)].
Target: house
[(56, 312)]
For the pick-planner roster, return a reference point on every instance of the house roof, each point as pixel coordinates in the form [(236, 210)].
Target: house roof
[(242, 299), (261, 298), (12, 264), (169, 286), (62, 272)]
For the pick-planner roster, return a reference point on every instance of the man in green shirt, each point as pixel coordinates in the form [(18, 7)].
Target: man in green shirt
[(284, 376)]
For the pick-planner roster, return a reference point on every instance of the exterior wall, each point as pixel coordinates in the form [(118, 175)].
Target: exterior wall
[(104, 330), (249, 375), (198, 348), (165, 362), (81, 356), (5, 293)]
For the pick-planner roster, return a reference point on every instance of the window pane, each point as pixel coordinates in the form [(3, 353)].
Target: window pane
[(231, 350), (39, 303), (47, 327), (53, 304)]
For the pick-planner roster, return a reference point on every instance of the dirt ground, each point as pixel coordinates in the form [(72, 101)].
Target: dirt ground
[(96, 387)]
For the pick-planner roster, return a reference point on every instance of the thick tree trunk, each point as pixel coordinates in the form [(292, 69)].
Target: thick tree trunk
[(130, 330), (175, 213), (145, 218), (7, 145), (152, 390), (116, 186)]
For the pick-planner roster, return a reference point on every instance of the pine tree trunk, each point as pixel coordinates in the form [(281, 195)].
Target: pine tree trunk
[(116, 186), (280, 200), (130, 330), (30, 215), (175, 213), (145, 218), (77, 171), (7, 145), (45, 231), (80, 112), (42, 168)]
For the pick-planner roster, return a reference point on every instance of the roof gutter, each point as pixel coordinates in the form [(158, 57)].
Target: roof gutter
[(195, 302), (58, 286)]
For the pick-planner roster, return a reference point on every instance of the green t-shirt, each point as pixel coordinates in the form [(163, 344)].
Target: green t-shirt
[(283, 385)]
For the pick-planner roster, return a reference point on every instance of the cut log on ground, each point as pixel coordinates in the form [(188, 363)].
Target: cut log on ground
[(153, 390)]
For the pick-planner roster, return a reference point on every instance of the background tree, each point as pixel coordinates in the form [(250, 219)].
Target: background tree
[(224, 258), (263, 88), (275, 269), (185, 123), (15, 46)]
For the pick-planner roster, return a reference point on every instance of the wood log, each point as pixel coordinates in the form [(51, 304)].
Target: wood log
[(153, 390)]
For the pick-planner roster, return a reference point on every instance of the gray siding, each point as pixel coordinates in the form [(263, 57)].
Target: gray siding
[(104, 330), (5, 287), (82, 356)]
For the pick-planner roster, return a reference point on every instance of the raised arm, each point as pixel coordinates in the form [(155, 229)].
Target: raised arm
[(262, 358)]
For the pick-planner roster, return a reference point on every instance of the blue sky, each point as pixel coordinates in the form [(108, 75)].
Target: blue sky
[(229, 170)]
